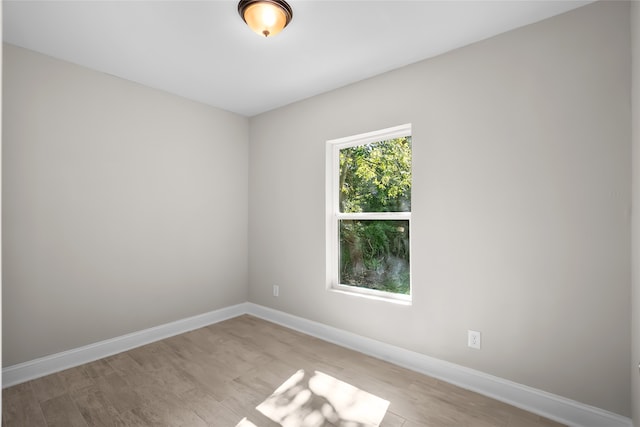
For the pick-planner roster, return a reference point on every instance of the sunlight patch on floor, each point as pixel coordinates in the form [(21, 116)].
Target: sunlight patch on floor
[(245, 423), (317, 399)]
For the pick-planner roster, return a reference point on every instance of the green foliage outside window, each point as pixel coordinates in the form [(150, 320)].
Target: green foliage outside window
[(376, 177)]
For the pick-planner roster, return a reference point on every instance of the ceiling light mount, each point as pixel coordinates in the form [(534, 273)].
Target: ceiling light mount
[(265, 17)]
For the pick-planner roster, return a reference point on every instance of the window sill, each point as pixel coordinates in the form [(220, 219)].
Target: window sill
[(390, 299)]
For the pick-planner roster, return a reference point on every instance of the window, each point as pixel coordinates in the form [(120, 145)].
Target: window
[(369, 213)]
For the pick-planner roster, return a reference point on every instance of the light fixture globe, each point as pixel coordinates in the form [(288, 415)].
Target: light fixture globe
[(265, 17)]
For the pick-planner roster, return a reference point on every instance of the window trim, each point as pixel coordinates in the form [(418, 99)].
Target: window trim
[(333, 214)]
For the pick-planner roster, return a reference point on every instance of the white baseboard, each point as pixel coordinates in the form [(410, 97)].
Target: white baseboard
[(549, 405), (32, 369), (555, 407)]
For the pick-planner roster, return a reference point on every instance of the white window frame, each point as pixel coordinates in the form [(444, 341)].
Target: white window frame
[(333, 214)]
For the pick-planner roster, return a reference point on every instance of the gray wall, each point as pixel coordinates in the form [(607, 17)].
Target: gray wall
[(124, 207), (635, 327), (520, 205)]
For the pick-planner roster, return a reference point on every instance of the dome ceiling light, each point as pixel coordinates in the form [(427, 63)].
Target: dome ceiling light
[(265, 17)]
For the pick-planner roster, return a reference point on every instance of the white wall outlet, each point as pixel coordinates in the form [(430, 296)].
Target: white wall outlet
[(276, 290), (473, 339)]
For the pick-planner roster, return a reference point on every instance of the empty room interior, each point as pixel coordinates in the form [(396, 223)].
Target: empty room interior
[(369, 213)]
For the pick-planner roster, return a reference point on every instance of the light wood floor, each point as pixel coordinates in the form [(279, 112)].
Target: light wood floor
[(216, 376)]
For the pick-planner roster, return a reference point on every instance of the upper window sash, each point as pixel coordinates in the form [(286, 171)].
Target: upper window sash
[(335, 145)]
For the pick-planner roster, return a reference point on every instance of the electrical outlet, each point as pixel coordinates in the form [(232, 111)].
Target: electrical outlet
[(473, 339), (276, 290)]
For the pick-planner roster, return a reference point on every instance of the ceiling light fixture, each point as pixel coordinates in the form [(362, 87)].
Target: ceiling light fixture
[(265, 17)]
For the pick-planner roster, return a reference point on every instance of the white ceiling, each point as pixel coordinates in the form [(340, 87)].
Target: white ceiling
[(202, 50)]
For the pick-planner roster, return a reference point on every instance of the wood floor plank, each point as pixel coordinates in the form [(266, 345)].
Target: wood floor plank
[(48, 387), (62, 412), (129, 419), (127, 368), (162, 407), (209, 409), (20, 407), (95, 408), (121, 394), (392, 420), (219, 375), (152, 357), (186, 347), (215, 380), (242, 399), (75, 378), (99, 368)]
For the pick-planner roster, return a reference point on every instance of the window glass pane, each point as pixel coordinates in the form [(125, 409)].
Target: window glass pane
[(376, 177), (374, 254)]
